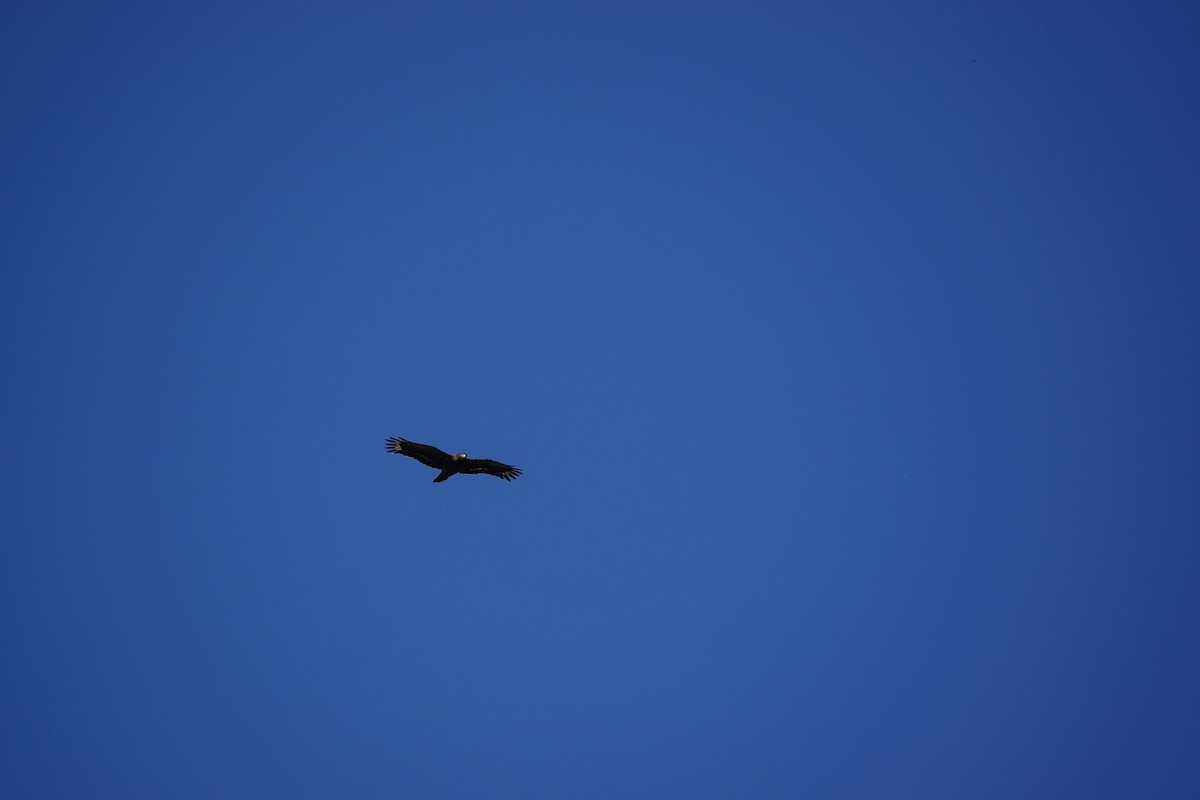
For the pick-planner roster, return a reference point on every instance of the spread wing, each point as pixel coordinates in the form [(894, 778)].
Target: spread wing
[(488, 467), (427, 454)]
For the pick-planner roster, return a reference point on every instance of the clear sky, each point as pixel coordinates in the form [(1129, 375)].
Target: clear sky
[(850, 351)]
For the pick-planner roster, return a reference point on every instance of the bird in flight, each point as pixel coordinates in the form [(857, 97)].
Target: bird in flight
[(430, 456)]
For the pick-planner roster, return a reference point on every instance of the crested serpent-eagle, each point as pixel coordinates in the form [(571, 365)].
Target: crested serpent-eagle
[(430, 456)]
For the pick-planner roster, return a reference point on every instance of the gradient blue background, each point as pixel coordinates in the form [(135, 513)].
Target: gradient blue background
[(850, 351)]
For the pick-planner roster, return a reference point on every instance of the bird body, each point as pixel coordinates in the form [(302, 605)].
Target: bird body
[(449, 465)]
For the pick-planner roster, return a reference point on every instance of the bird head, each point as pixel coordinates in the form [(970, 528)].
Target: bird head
[(459, 456)]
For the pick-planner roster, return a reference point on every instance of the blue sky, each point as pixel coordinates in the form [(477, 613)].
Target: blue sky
[(849, 350)]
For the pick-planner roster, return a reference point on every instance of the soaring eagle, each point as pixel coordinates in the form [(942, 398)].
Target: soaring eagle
[(430, 456)]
